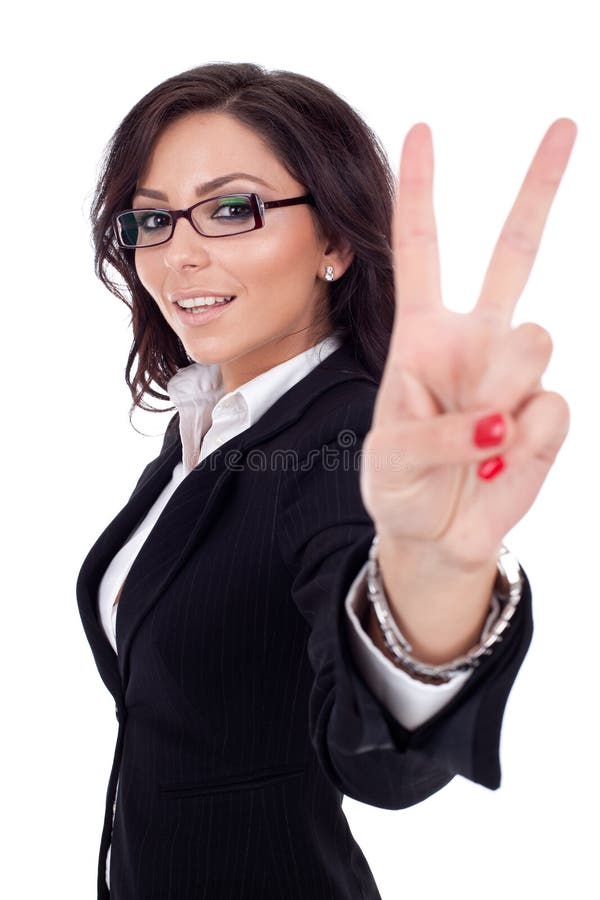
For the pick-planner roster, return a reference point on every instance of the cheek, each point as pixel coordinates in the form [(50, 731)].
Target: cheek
[(151, 271), (282, 256)]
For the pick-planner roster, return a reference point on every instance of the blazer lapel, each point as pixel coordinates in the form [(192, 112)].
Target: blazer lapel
[(186, 517), (150, 485)]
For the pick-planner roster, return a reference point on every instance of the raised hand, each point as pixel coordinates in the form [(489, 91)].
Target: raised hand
[(424, 481)]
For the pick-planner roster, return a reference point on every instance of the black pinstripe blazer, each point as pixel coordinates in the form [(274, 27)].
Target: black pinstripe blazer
[(242, 719)]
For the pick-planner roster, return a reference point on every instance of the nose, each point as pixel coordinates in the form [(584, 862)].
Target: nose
[(186, 247)]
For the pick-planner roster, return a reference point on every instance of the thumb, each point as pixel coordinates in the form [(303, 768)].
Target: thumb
[(415, 400)]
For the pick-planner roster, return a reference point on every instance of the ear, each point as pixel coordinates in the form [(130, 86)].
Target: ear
[(339, 255)]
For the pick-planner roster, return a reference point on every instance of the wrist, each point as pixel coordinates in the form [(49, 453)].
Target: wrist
[(434, 557), (439, 605), (504, 601)]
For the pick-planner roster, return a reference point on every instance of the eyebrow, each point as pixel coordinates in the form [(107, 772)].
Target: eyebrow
[(206, 187)]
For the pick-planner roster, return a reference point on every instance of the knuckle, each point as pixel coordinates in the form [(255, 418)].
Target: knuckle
[(551, 180), (562, 419), (519, 240), (416, 237), (563, 410), (551, 407), (538, 337)]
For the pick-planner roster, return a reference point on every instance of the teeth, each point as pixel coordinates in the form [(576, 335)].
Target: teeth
[(192, 302)]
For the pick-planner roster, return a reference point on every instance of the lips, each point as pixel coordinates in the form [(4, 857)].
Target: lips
[(201, 315)]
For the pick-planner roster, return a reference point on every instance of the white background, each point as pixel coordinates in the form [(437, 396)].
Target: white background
[(489, 79)]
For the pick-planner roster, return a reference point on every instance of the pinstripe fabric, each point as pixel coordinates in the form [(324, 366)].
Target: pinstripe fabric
[(242, 718)]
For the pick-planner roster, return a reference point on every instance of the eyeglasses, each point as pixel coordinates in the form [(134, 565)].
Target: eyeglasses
[(222, 216)]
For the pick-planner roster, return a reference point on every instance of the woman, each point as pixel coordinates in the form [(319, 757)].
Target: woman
[(337, 429)]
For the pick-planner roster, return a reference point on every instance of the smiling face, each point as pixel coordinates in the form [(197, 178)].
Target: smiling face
[(276, 272)]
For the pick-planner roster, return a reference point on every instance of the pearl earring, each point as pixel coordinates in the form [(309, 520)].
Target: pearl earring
[(329, 273)]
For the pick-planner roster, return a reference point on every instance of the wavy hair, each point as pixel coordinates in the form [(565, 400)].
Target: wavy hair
[(321, 141)]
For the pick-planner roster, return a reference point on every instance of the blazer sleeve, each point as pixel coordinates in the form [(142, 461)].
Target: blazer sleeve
[(324, 537), (410, 701)]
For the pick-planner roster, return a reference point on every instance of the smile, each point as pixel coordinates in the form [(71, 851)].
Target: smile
[(197, 302)]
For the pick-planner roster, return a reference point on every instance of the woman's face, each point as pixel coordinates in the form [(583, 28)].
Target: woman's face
[(276, 272)]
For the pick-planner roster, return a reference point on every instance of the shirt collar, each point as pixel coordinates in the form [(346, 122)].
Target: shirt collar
[(258, 394), (198, 394)]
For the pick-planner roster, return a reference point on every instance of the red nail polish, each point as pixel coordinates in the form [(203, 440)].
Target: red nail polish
[(489, 468), (489, 431)]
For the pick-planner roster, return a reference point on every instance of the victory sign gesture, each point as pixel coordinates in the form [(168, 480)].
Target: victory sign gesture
[(463, 435)]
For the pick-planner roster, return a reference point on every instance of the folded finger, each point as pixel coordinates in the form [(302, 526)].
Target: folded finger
[(542, 425), (516, 364)]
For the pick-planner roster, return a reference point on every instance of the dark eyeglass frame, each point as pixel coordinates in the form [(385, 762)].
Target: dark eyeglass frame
[(258, 207)]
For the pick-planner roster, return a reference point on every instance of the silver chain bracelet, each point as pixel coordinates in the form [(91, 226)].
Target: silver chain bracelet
[(508, 589)]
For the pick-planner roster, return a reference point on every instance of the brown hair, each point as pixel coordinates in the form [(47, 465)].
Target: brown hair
[(321, 141)]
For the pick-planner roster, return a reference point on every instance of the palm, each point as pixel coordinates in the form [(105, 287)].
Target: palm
[(425, 486)]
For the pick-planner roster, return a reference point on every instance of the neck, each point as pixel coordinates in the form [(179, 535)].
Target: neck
[(244, 368)]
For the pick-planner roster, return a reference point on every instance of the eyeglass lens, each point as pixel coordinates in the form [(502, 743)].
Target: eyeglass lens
[(231, 214)]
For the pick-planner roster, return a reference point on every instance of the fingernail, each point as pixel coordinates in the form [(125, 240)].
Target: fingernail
[(489, 431), (489, 468)]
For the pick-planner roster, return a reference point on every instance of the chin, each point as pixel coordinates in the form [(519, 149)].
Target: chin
[(208, 352)]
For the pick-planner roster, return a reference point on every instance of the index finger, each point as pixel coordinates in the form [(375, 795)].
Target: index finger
[(414, 233), (519, 241)]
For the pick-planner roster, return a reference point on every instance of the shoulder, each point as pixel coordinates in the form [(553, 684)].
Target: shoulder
[(337, 390), (339, 417), (346, 403)]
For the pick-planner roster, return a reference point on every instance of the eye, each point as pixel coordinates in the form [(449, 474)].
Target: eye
[(231, 208), (153, 220)]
